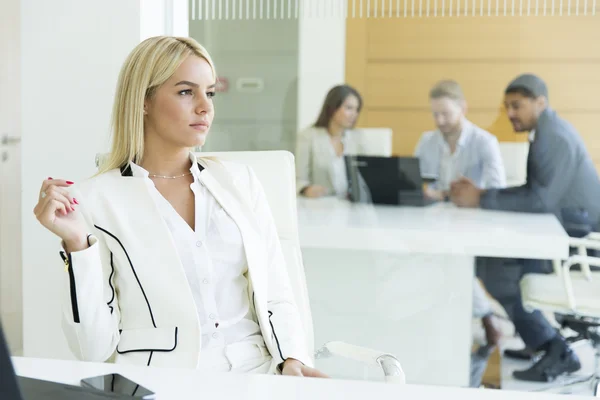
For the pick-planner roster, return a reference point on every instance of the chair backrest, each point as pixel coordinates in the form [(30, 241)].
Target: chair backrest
[(374, 141), (514, 156)]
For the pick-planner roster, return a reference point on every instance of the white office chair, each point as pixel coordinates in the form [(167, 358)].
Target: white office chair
[(276, 172), (514, 156), (374, 141), (574, 295)]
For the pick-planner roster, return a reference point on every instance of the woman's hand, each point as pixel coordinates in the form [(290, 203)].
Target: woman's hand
[(315, 191), (434, 194), (56, 212), (292, 367)]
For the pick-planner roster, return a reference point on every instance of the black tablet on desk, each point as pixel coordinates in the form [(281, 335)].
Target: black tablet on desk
[(15, 387)]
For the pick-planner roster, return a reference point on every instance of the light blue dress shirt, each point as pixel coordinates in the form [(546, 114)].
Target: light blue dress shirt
[(477, 157)]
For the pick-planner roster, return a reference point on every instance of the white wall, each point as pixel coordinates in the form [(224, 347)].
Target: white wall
[(11, 303), (163, 17), (71, 54), (178, 24), (152, 18), (322, 60)]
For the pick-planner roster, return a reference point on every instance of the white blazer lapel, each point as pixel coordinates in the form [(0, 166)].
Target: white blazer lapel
[(219, 183)]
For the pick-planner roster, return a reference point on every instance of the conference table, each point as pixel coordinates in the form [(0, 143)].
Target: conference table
[(399, 279), (178, 384)]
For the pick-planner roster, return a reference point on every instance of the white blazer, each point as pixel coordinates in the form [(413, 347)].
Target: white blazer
[(315, 157), (129, 300)]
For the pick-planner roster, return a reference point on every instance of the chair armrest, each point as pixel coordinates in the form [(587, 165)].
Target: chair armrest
[(582, 246), (586, 242), (389, 364), (585, 262), (593, 236)]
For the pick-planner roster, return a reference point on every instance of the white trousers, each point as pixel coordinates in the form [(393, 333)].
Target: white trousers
[(242, 357)]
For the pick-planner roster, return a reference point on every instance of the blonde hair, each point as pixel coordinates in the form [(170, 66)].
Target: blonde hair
[(447, 88), (146, 68)]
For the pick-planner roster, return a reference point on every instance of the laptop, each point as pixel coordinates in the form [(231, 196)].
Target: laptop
[(386, 180), (13, 387)]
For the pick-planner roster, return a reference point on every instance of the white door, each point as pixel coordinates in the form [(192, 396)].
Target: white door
[(11, 313)]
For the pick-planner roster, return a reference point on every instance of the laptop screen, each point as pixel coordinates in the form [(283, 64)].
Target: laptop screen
[(385, 180)]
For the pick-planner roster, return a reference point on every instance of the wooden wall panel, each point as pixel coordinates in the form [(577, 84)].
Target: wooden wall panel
[(356, 50), (483, 39), (407, 84)]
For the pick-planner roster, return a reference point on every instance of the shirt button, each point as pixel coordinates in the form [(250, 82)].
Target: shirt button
[(198, 244), (215, 335), (212, 316), (205, 281)]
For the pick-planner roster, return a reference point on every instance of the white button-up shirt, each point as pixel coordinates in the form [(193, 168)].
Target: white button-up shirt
[(477, 157), (339, 176), (215, 264), (449, 164)]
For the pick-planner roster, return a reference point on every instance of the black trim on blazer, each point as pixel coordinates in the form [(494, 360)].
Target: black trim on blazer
[(72, 286), (152, 350), (132, 269), (112, 272), (275, 335), (149, 359), (126, 170), (272, 328)]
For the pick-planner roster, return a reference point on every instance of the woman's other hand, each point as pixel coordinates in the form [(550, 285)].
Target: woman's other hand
[(292, 367), (56, 211)]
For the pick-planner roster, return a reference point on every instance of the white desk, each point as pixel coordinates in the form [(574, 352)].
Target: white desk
[(191, 384), (438, 229), (399, 279)]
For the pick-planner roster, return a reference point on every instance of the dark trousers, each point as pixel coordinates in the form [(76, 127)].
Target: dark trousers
[(502, 277)]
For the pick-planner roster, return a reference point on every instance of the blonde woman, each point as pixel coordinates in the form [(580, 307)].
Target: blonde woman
[(172, 261), (320, 149)]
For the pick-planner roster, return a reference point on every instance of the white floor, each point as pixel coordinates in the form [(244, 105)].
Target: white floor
[(583, 350)]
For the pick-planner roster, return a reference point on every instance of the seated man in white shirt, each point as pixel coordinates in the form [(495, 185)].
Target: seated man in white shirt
[(459, 148)]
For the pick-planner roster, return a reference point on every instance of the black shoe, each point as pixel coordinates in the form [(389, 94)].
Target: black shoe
[(523, 354), (559, 359)]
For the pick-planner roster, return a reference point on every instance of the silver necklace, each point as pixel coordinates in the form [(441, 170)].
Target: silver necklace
[(170, 177)]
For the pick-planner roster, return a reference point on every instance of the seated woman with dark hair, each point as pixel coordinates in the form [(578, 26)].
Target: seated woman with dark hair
[(320, 149)]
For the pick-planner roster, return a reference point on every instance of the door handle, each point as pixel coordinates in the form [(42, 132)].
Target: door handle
[(7, 140)]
